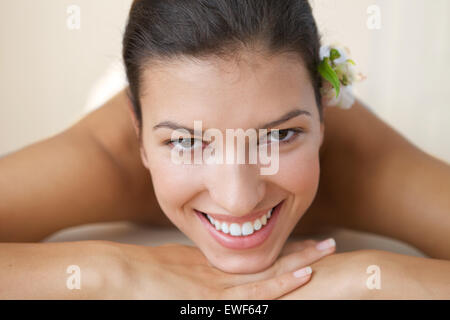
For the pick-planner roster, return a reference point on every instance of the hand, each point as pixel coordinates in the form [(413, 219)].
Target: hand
[(174, 271), (340, 276), (399, 276)]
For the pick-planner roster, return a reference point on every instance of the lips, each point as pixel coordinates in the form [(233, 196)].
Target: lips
[(245, 235), (245, 228)]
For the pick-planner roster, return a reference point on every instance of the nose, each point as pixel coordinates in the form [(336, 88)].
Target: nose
[(236, 188)]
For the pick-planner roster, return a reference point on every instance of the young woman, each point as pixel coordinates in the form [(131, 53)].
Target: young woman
[(232, 65)]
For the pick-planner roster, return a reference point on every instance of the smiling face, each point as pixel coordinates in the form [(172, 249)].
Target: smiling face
[(233, 95)]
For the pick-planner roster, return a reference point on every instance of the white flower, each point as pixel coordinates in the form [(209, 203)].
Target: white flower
[(346, 75), (346, 70), (325, 52), (345, 99)]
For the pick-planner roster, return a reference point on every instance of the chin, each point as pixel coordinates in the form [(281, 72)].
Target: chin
[(242, 262)]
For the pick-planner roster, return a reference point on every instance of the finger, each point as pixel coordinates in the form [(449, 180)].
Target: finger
[(308, 255), (270, 288), (313, 252)]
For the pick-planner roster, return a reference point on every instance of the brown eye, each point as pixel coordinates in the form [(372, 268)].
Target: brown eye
[(283, 136), (279, 135), (186, 143)]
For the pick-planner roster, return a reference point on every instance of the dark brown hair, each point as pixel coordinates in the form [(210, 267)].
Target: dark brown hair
[(164, 29)]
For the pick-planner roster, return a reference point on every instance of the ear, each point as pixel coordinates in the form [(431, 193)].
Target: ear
[(144, 156)]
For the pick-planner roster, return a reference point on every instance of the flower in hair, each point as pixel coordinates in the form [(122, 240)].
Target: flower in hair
[(339, 72)]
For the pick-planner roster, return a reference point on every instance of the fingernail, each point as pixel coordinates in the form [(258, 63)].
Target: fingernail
[(302, 272), (326, 244)]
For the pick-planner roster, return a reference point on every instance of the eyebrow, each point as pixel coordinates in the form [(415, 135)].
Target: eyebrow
[(285, 118), (288, 116)]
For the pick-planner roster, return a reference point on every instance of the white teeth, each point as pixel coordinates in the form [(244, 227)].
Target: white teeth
[(257, 225), (225, 227), (269, 214), (235, 229), (247, 228), (264, 220)]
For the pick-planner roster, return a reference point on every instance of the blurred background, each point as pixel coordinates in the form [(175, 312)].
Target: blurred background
[(55, 67)]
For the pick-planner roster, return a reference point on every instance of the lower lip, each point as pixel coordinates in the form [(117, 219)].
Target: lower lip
[(242, 242)]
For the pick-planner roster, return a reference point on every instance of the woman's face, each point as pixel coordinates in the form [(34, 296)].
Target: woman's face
[(232, 95)]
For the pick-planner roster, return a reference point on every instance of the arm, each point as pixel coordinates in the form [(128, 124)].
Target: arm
[(89, 173), (345, 276), (40, 270), (374, 180), (108, 270)]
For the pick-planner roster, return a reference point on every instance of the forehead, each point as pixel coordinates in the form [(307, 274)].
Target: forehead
[(235, 88)]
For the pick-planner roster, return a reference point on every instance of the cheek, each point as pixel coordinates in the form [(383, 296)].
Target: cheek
[(299, 174), (174, 185)]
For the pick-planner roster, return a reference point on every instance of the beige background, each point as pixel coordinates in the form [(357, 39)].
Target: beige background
[(49, 72)]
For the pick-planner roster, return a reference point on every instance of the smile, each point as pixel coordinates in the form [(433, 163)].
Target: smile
[(237, 229), (243, 235)]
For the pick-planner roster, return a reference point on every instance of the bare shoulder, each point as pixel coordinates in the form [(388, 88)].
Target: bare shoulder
[(374, 180), (112, 128)]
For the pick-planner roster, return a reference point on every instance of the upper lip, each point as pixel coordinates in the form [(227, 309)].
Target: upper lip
[(247, 218)]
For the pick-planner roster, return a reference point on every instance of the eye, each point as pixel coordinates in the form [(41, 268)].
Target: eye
[(186, 143), (284, 135)]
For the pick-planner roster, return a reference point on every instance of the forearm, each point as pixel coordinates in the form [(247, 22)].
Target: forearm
[(408, 277), (357, 274), (40, 271)]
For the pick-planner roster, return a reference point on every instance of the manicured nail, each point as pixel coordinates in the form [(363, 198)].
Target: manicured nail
[(326, 244), (302, 272)]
